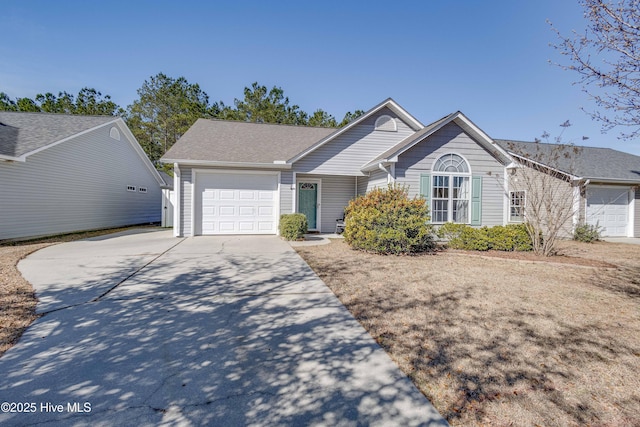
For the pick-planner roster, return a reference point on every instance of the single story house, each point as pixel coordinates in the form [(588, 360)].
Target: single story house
[(605, 182), (237, 177), (65, 173)]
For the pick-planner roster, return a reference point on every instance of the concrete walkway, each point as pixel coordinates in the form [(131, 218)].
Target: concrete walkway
[(146, 329), (628, 240)]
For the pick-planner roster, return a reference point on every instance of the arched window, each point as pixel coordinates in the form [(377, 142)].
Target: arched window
[(450, 193), (386, 123)]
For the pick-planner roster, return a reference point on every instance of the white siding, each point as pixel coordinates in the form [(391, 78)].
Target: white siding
[(186, 190), (80, 184), (363, 183), (347, 153), (377, 179), (287, 191), (336, 192), (452, 139)]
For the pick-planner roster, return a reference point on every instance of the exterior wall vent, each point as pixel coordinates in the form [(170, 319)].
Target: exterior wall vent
[(131, 188), (142, 189), (386, 123), (114, 133)]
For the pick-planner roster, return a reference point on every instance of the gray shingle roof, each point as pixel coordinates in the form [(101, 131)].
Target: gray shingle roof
[(586, 162), (241, 142), (22, 133)]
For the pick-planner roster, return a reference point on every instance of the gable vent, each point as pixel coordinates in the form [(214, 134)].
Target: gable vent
[(114, 133), (386, 123)]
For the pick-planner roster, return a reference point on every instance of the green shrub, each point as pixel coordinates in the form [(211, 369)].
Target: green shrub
[(293, 226), (587, 233), (387, 221), (513, 237)]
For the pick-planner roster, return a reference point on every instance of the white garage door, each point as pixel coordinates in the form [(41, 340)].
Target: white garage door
[(608, 207), (236, 203)]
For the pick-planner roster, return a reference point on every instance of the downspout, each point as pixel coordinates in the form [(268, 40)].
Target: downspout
[(177, 183), (382, 168)]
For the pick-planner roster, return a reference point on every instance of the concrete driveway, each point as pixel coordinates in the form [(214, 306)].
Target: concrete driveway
[(141, 328)]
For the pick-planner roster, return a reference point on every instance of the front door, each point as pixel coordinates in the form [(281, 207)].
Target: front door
[(308, 202)]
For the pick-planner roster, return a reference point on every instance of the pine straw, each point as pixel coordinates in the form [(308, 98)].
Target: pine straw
[(493, 341)]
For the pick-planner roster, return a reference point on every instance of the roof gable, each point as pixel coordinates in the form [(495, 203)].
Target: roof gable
[(22, 134), (389, 103), (391, 155)]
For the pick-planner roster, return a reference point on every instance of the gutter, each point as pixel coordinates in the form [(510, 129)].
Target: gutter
[(275, 165), (594, 180)]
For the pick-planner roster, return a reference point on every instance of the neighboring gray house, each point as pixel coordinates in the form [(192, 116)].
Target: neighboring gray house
[(605, 182), (65, 173), (237, 177)]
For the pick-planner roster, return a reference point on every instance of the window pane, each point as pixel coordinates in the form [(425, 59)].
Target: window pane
[(461, 211), (440, 187), (516, 205), (460, 187), (451, 163), (440, 213)]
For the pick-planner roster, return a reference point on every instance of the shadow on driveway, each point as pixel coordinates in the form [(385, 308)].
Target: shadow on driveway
[(202, 331)]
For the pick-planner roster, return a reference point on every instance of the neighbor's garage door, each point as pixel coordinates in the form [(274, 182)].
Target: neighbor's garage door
[(235, 203), (609, 208)]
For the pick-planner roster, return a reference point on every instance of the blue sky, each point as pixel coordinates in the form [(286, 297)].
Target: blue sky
[(489, 59)]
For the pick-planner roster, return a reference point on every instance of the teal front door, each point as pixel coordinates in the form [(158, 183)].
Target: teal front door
[(308, 202)]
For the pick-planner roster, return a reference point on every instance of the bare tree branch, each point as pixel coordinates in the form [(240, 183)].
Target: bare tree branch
[(607, 57)]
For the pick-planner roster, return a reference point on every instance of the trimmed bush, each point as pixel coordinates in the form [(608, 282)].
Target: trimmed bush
[(587, 233), (512, 237), (293, 226), (387, 221)]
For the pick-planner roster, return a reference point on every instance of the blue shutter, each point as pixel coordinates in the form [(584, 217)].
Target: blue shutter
[(425, 189), (476, 200)]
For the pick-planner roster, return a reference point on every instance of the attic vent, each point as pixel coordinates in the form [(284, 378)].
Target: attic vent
[(114, 133), (386, 123)]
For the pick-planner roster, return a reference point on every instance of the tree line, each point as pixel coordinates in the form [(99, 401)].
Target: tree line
[(166, 107)]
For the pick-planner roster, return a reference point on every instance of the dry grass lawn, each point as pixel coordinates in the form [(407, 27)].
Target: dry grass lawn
[(17, 298), (503, 342)]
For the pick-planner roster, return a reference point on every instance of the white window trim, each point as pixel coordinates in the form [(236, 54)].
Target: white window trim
[(450, 199), (524, 205), (114, 133)]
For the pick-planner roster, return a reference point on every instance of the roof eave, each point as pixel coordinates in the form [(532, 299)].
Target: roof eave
[(13, 159), (371, 166), (567, 174), (216, 163), (611, 180), (468, 126)]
